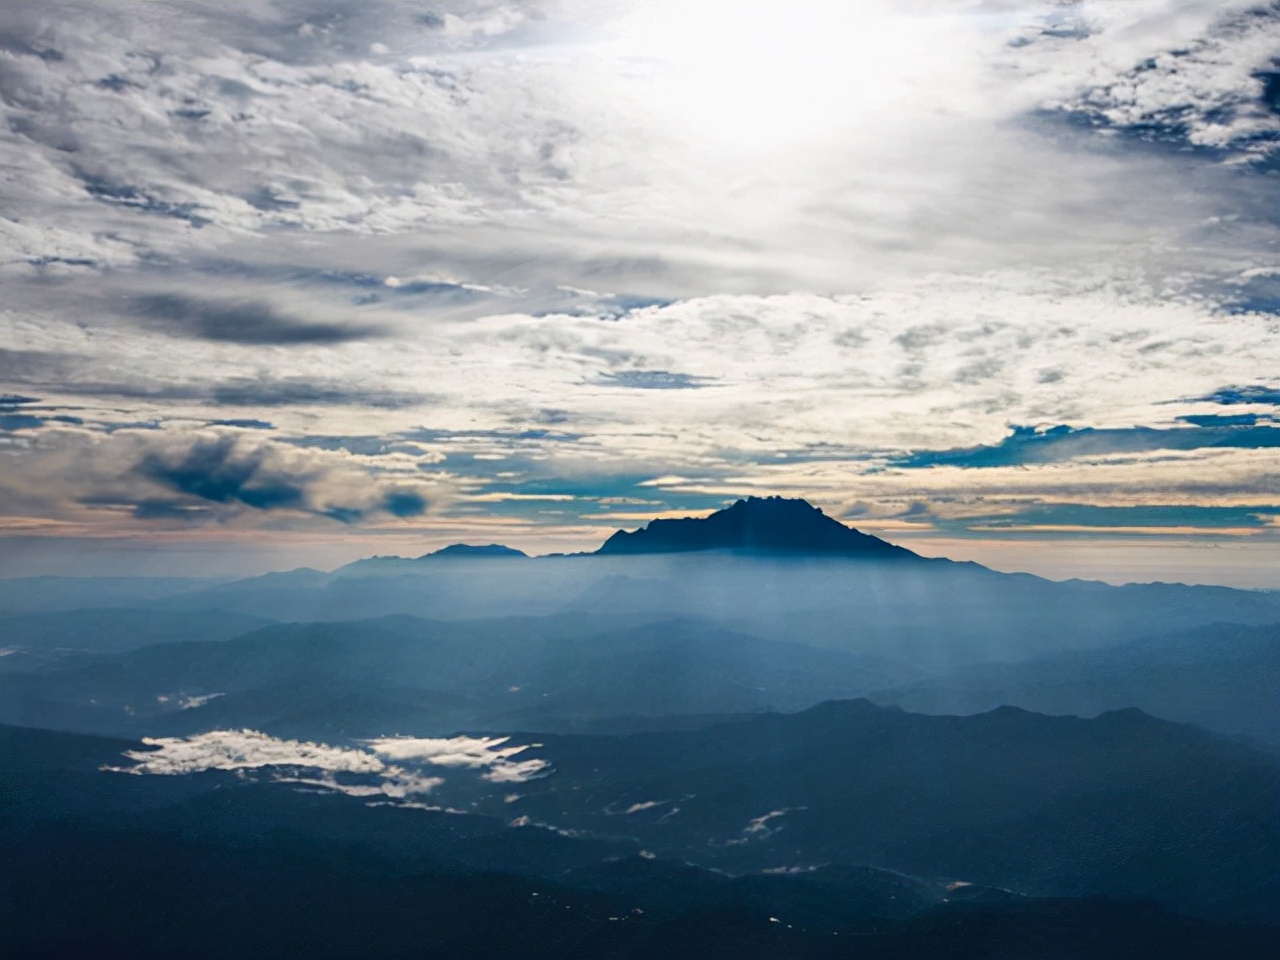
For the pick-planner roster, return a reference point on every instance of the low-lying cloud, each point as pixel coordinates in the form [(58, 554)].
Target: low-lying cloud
[(470, 752), (396, 767)]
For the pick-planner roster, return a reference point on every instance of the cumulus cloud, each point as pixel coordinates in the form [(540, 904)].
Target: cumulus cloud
[(185, 476), (244, 750), (472, 752), (356, 771), (217, 469), (1200, 75)]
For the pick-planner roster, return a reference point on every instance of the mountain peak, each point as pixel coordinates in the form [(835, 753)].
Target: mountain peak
[(466, 550), (777, 525)]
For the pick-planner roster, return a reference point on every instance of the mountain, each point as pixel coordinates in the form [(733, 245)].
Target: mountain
[(48, 594), (489, 550), (417, 566), (39, 636), (759, 525), (1122, 805), (1222, 676), (231, 867), (404, 674)]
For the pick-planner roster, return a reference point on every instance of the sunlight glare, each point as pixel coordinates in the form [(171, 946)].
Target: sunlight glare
[(761, 73)]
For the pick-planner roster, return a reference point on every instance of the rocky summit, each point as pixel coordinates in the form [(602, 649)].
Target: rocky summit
[(776, 525)]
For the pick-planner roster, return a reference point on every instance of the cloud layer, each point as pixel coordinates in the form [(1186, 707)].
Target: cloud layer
[(395, 767)]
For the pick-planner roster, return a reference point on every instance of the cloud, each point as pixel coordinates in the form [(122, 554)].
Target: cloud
[(404, 503), (363, 445), (355, 771), (224, 469), (242, 424), (169, 476), (1251, 393), (1213, 90), (300, 391), (244, 750), (288, 761), (220, 470), (79, 373), (472, 752), (654, 380), (246, 322), (249, 392), (19, 421), (1158, 520), (1228, 419), (287, 127), (10, 422), (503, 437), (1026, 445)]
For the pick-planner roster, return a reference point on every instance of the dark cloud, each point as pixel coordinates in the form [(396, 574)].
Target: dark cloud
[(19, 421), (1228, 396), (11, 401), (404, 503), (219, 471), (297, 391), (227, 470), (114, 425), (251, 322), (10, 422), (33, 367), (1227, 419), (136, 198), (655, 380), (343, 514), (1027, 445), (1101, 517), (265, 199), (1259, 294), (65, 374)]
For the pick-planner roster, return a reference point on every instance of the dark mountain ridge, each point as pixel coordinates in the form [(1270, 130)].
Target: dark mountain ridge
[(1223, 676), (1124, 804), (495, 550), (431, 675), (756, 524), (229, 868)]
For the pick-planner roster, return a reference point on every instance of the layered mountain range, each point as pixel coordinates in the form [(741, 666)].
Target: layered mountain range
[(755, 734)]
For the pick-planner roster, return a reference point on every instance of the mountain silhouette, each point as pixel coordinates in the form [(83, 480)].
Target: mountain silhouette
[(463, 550), (760, 525)]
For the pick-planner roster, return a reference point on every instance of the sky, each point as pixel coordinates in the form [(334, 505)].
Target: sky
[(298, 282)]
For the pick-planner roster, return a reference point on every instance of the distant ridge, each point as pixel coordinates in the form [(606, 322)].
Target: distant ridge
[(464, 550), (776, 525)]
